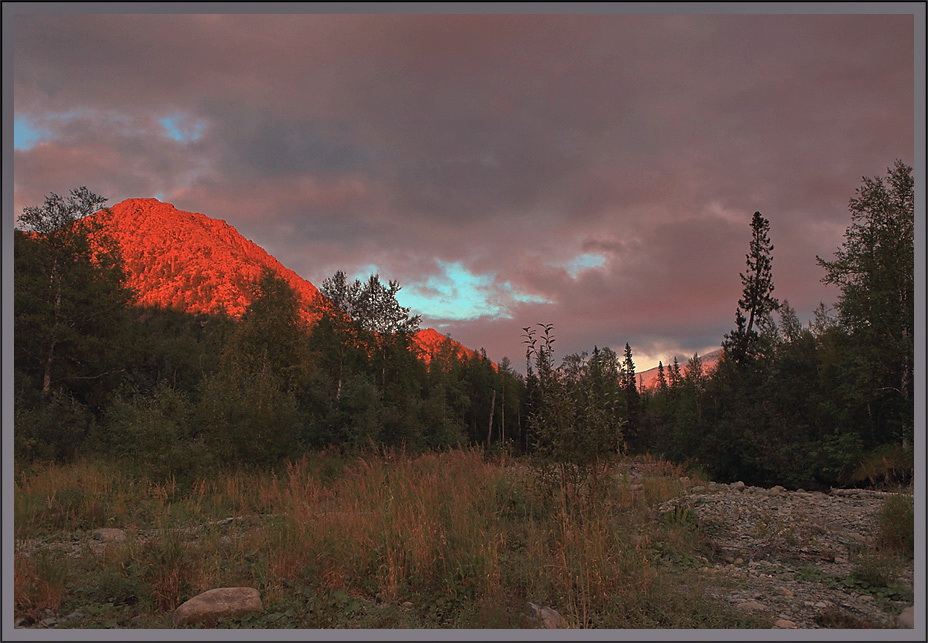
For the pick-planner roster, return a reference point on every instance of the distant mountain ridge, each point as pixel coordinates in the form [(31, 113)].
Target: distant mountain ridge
[(193, 263), (648, 379)]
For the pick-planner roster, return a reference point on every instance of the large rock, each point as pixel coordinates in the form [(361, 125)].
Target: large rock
[(224, 602), (109, 535), (545, 616), (907, 618)]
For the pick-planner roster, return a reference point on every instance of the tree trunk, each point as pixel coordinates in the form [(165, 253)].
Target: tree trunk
[(492, 408), (502, 414), (47, 375)]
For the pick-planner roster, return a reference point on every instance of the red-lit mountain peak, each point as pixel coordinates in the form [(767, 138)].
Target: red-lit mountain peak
[(191, 262)]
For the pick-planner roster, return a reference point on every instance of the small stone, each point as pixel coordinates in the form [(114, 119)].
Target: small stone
[(866, 597), (697, 489), (907, 618), (739, 561), (50, 622), (23, 621), (808, 603), (729, 559), (784, 624), (821, 604), (737, 486), (407, 603), (786, 592)]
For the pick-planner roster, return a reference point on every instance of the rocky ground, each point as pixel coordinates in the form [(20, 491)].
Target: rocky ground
[(799, 558)]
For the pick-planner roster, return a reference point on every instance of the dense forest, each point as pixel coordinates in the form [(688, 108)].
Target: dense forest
[(168, 393)]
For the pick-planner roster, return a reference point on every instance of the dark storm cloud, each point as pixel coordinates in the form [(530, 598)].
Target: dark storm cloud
[(605, 165)]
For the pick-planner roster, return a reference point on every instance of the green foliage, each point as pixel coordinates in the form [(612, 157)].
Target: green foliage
[(51, 428), (875, 270), (153, 434), (177, 349), (372, 304), (70, 303), (829, 404), (575, 418), (247, 416), (271, 332)]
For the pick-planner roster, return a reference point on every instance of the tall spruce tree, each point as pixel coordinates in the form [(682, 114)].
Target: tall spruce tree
[(632, 400), (757, 301), (661, 378)]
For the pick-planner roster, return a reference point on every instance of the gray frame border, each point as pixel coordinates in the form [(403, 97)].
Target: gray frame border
[(13, 9)]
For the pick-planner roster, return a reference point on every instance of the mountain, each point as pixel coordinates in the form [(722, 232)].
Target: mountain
[(429, 342), (648, 379), (190, 262)]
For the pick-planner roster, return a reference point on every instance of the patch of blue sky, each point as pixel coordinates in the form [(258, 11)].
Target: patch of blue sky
[(458, 294), (182, 128), (584, 262), (27, 134)]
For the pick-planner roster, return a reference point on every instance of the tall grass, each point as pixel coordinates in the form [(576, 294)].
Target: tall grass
[(465, 538)]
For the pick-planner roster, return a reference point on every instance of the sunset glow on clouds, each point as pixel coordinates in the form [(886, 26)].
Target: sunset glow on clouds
[(597, 172)]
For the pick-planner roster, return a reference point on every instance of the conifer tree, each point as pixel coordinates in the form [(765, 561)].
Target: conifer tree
[(661, 378), (757, 301), (676, 377), (632, 398)]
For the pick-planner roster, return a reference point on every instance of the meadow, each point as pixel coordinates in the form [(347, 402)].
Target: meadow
[(453, 539)]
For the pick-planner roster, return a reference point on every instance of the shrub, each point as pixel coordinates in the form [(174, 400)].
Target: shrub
[(896, 525), (152, 434), (247, 417)]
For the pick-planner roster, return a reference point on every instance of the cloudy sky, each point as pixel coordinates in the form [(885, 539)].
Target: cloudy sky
[(597, 172)]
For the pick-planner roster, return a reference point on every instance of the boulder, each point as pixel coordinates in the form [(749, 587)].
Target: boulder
[(907, 618), (223, 602), (109, 535), (545, 616), (751, 606)]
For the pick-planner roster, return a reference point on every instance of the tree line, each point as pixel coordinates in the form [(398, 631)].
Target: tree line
[(178, 394)]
